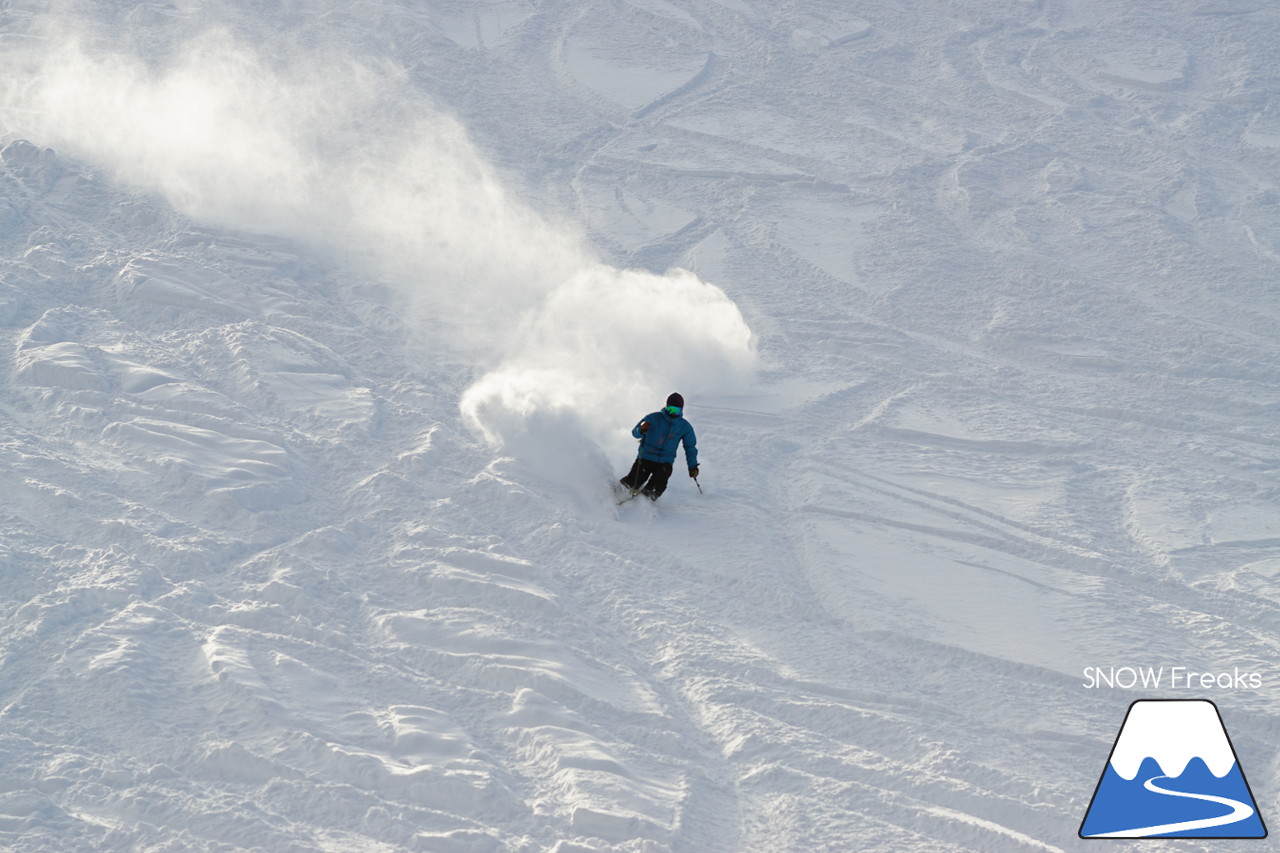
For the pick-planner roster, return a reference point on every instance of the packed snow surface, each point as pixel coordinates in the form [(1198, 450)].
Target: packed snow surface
[(324, 326)]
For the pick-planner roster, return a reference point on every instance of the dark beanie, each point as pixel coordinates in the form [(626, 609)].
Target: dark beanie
[(675, 400)]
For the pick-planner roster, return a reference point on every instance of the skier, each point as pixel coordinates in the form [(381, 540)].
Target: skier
[(659, 433)]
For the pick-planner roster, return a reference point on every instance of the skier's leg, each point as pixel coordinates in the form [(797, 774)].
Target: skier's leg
[(658, 485), (645, 477), (632, 479)]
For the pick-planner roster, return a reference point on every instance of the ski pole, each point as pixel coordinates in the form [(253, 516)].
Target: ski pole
[(699, 485)]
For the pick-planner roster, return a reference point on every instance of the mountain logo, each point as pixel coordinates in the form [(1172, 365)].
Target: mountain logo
[(1173, 773)]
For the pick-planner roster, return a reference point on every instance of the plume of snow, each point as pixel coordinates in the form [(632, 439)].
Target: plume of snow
[(347, 156), (609, 340), (325, 150)]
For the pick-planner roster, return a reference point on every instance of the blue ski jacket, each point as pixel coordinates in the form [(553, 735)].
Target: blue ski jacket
[(665, 432)]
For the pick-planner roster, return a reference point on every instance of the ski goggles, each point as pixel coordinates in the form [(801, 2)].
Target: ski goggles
[(674, 411)]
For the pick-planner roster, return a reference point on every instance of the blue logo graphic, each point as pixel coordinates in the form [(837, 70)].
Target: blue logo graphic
[(1173, 773)]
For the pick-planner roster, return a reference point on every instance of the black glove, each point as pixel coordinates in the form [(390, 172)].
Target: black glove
[(693, 472)]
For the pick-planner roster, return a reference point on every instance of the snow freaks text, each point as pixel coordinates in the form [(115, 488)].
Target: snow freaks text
[(1168, 678)]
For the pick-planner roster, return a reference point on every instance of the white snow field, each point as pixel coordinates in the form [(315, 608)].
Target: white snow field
[(323, 326)]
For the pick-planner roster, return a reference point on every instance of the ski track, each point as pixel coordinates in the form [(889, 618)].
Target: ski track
[(1011, 267)]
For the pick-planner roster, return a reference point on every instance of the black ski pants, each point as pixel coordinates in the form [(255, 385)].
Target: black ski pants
[(648, 477)]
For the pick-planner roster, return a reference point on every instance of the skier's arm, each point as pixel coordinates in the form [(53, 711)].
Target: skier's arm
[(690, 447), (640, 429)]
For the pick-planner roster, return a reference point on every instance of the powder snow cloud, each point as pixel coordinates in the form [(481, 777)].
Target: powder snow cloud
[(346, 155)]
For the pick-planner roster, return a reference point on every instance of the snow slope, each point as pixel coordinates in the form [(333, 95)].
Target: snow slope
[(324, 325)]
